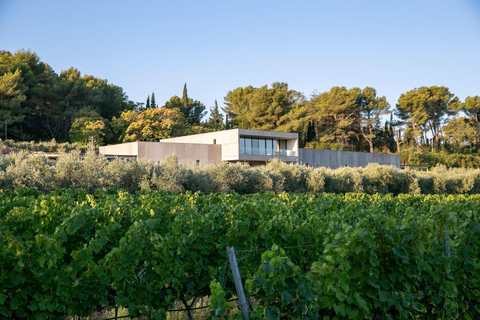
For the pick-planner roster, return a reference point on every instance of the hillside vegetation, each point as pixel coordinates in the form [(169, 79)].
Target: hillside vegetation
[(426, 125), (11, 146)]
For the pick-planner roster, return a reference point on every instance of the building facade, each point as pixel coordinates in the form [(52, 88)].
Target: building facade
[(239, 145)]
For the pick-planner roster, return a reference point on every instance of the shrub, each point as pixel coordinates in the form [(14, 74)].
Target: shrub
[(378, 179), (451, 181), (170, 175), (201, 179), (295, 177), (316, 180), (74, 172), (238, 177), (23, 170), (129, 175), (388, 179), (346, 179), (274, 180)]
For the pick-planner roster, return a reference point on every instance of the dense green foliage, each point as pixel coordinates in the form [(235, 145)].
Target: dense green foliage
[(38, 104), (345, 256), (262, 108), (92, 172)]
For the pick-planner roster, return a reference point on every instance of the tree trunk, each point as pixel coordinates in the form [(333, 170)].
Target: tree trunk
[(370, 141), (477, 132), (397, 140), (415, 138)]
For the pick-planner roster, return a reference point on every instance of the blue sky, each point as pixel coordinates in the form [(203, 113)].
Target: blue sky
[(217, 46)]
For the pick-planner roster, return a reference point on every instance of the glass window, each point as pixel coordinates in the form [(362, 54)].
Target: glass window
[(261, 147), (269, 148), (255, 146), (248, 146), (283, 147), (242, 145)]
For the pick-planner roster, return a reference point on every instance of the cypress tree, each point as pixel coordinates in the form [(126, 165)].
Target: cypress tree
[(186, 108), (147, 105), (185, 96), (311, 135), (216, 118), (153, 104)]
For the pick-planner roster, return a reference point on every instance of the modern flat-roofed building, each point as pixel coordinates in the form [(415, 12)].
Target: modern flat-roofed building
[(240, 145)]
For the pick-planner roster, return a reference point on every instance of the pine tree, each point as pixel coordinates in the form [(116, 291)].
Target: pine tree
[(228, 123), (147, 105), (153, 104)]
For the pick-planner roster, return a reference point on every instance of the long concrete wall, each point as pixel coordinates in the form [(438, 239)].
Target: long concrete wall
[(337, 159), (187, 153)]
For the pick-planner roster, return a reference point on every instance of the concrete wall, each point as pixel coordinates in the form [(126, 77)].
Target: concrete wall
[(124, 149), (187, 153), (158, 151), (228, 139), (336, 159)]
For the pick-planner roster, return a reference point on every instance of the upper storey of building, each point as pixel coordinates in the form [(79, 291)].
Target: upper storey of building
[(248, 145)]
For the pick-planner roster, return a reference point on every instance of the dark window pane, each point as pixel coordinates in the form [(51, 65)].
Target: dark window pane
[(269, 143), (248, 146), (255, 145), (262, 148), (242, 145), (283, 147)]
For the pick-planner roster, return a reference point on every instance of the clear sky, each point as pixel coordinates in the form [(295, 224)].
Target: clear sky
[(217, 46)]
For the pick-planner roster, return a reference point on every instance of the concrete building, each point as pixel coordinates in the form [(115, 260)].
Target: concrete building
[(240, 145)]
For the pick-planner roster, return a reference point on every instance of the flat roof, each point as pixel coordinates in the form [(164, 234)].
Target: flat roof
[(243, 132), (271, 134)]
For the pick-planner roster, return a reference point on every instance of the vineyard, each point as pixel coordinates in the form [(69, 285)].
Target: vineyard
[(302, 256)]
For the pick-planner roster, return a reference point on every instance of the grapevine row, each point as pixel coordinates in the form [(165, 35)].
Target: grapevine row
[(349, 256)]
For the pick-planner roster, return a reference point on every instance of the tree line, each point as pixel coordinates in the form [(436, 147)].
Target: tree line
[(38, 104), (354, 119)]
